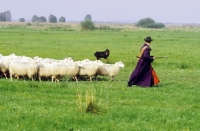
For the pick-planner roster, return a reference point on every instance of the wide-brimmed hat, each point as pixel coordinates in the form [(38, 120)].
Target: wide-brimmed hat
[(148, 39)]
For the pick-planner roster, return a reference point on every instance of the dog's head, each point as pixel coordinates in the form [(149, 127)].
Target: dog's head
[(107, 52)]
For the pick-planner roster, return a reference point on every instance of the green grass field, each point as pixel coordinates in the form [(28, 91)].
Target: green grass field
[(173, 105)]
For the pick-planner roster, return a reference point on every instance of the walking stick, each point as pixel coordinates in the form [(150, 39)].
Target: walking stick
[(156, 57), (161, 56)]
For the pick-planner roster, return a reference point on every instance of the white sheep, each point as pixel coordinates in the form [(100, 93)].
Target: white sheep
[(46, 69), (22, 68), (5, 61), (110, 70), (58, 68), (67, 69), (89, 68), (4, 65)]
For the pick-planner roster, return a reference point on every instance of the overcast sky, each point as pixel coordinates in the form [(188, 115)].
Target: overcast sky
[(165, 11)]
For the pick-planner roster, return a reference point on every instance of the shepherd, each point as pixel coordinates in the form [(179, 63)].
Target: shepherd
[(144, 75)]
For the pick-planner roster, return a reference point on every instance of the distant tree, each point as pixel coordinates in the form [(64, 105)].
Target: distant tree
[(149, 23), (42, 19), (5, 16), (8, 16), (87, 25), (35, 18), (61, 19), (52, 19), (21, 20), (145, 21), (88, 17), (2, 17)]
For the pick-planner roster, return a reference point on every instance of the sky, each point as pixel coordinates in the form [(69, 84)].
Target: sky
[(164, 11)]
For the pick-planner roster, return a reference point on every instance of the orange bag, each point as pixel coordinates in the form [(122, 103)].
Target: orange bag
[(155, 77)]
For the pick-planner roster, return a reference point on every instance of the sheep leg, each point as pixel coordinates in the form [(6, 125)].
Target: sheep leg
[(91, 78), (24, 78), (52, 77), (5, 75), (76, 78), (95, 77), (30, 77), (56, 80), (39, 78), (112, 78), (11, 77)]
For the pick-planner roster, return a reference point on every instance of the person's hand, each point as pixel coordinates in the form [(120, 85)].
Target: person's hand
[(154, 57)]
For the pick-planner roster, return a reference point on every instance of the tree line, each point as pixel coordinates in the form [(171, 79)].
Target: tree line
[(6, 16), (51, 19), (87, 24)]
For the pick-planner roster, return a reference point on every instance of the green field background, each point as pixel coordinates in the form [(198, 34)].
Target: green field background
[(173, 105)]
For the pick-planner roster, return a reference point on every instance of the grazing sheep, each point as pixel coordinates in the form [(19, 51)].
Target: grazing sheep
[(90, 68), (110, 70), (102, 54), (22, 68)]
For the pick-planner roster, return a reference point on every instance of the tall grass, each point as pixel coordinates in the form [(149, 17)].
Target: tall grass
[(172, 105)]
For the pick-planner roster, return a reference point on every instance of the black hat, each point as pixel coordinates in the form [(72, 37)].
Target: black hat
[(148, 39)]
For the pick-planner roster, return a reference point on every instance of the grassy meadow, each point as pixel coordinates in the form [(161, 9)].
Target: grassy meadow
[(173, 105)]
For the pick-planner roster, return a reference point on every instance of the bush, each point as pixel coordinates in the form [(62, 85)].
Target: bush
[(61, 19), (87, 25), (145, 21), (155, 25), (149, 23), (21, 20), (28, 24)]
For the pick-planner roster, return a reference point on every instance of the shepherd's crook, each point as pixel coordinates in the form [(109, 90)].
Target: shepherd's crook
[(161, 56), (156, 57)]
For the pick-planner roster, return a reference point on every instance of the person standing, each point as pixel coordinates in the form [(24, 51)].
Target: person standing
[(144, 75)]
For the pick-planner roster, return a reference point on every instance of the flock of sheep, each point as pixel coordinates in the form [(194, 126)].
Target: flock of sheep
[(38, 68)]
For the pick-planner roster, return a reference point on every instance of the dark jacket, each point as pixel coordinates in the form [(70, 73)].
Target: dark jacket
[(142, 75)]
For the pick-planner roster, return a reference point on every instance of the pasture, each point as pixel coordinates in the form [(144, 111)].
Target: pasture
[(173, 105)]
